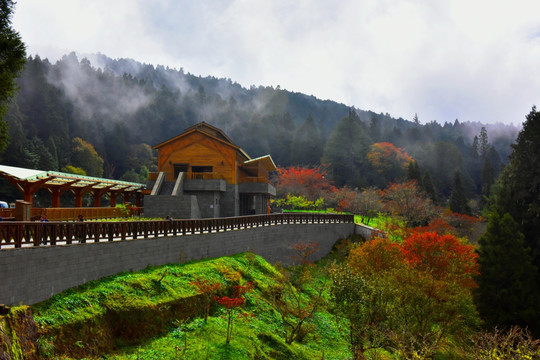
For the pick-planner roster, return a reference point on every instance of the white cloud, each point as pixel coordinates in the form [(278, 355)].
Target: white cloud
[(472, 60)]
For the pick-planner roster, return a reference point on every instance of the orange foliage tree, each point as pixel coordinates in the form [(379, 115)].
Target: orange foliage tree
[(388, 160), (407, 296)]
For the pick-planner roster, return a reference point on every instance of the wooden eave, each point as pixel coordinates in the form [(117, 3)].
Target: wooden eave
[(266, 161), (205, 134)]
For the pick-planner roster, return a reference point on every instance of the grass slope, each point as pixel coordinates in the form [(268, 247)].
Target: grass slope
[(155, 314)]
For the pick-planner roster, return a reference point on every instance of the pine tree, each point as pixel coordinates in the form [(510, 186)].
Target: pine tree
[(520, 182), (519, 194), (429, 187), (307, 147), (413, 172), (488, 178), (458, 198), (507, 294), (12, 59), (483, 143), (346, 151)]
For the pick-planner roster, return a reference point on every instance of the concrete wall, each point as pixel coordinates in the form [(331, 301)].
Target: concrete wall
[(366, 231), (208, 203), (178, 207), (31, 275), (229, 201)]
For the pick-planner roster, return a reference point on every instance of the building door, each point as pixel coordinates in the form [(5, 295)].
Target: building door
[(246, 204)]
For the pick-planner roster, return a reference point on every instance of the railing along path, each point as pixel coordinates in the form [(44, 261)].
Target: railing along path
[(16, 234)]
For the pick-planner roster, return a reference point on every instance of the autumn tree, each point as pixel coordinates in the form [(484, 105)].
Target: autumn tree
[(84, 155), (388, 160), (443, 256), (207, 290), (407, 201), (297, 295), (232, 304), (311, 183), (369, 204), (343, 199), (395, 297)]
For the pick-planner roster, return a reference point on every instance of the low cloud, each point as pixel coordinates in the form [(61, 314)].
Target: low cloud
[(475, 61)]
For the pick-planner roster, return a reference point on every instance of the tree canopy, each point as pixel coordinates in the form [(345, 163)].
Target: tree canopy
[(12, 59)]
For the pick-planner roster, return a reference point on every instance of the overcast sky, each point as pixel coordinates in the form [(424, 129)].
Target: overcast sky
[(476, 60)]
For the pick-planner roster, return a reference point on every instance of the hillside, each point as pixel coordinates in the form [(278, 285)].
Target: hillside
[(120, 108), (158, 313)]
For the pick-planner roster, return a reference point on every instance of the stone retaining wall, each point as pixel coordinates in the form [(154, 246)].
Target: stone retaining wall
[(31, 275)]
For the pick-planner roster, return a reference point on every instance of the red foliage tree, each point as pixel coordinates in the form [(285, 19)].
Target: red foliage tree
[(231, 304), (444, 256), (303, 251), (311, 183), (206, 289)]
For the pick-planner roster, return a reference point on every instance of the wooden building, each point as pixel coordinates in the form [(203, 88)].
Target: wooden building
[(202, 174)]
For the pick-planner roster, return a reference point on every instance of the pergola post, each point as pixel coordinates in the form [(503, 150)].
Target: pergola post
[(57, 191), (29, 188), (79, 193), (112, 197), (114, 193), (98, 193)]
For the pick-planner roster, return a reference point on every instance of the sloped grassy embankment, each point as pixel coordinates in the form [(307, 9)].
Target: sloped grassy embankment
[(157, 314)]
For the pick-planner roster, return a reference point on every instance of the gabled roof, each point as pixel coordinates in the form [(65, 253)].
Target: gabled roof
[(203, 129), (209, 129), (56, 178)]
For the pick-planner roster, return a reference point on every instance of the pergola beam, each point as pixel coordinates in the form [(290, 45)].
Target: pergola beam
[(29, 181)]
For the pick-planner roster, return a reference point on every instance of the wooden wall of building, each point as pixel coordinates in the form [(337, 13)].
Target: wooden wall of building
[(198, 149)]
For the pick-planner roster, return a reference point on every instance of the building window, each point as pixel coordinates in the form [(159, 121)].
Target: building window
[(178, 168), (201, 169)]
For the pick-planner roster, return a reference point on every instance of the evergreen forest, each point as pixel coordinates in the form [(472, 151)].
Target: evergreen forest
[(100, 117)]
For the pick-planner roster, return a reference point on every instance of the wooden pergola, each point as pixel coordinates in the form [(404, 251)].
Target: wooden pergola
[(29, 181)]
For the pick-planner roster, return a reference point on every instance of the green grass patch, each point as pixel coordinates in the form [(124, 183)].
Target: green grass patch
[(156, 314)]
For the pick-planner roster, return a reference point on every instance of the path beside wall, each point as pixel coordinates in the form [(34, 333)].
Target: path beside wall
[(31, 275)]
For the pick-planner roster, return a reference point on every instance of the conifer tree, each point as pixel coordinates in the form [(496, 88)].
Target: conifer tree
[(519, 191), (307, 147), (458, 198), (12, 59), (488, 178), (346, 151), (429, 187), (413, 172), (508, 293)]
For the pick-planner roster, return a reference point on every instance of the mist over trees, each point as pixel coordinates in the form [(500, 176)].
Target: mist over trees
[(121, 108)]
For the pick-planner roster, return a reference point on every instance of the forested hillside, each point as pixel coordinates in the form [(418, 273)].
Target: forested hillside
[(101, 116)]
